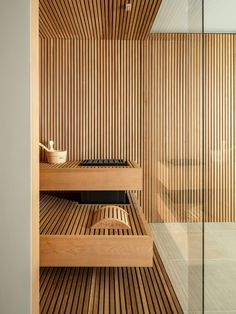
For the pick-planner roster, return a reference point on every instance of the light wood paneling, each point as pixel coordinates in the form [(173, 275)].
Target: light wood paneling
[(91, 98), (220, 126), (95, 251), (72, 176), (108, 290), (173, 127), (101, 19), (141, 100)]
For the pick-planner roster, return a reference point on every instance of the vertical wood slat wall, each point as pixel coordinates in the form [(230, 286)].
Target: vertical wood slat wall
[(172, 71), (141, 100), (220, 125), (91, 97), (173, 125)]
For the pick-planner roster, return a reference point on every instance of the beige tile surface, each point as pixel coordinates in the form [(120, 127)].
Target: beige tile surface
[(180, 247)]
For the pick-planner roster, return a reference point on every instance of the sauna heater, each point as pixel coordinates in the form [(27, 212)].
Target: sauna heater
[(103, 197)]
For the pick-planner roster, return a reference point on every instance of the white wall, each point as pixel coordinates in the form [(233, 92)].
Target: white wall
[(15, 158), (185, 16), (219, 16)]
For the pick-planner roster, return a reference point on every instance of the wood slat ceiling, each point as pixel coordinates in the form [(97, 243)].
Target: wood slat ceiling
[(97, 19)]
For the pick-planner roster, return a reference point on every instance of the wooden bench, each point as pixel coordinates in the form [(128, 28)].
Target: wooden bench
[(67, 239), (71, 176)]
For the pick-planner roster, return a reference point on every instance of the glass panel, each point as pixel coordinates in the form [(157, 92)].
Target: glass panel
[(220, 175), (175, 58)]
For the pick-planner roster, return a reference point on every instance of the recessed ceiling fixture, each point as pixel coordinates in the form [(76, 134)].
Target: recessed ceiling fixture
[(128, 6)]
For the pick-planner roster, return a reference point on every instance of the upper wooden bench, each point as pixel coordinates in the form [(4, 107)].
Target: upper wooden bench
[(71, 176)]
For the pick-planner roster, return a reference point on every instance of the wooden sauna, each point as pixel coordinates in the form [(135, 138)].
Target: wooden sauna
[(91, 105), (111, 89)]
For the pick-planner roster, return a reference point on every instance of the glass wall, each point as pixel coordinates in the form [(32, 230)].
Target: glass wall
[(220, 171), (177, 227), (193, 112)]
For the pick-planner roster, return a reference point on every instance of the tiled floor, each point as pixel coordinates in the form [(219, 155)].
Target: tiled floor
[(180, 247)]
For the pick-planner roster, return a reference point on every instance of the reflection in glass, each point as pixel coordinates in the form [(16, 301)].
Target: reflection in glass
[(175, 59)]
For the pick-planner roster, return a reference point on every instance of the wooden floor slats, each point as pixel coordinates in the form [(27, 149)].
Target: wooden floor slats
[(108, 290)]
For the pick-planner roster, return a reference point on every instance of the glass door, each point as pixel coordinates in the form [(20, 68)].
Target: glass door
[(220, 157), (175, 115)]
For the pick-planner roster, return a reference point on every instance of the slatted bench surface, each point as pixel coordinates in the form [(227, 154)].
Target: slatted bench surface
[(108, 290), (67, 239), (76, 164), (60, 216)]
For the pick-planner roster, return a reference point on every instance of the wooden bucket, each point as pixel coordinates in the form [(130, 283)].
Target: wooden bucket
[(56, 156)]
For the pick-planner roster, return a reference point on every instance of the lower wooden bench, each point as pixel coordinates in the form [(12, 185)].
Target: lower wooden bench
[(66, 238)]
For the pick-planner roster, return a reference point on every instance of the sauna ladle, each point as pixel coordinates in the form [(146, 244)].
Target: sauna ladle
[(50, 149)]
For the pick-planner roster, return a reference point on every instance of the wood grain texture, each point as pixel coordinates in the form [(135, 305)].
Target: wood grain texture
[(68, 177), (95, 251), (108, 290), (67, 239), (141, 101), (173, 127), (172, 135), (100, 19), (220, 126), (110, 217), (91, 98)]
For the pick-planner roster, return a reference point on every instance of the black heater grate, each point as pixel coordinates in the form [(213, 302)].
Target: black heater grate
[(104, 162), (103, 197)]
